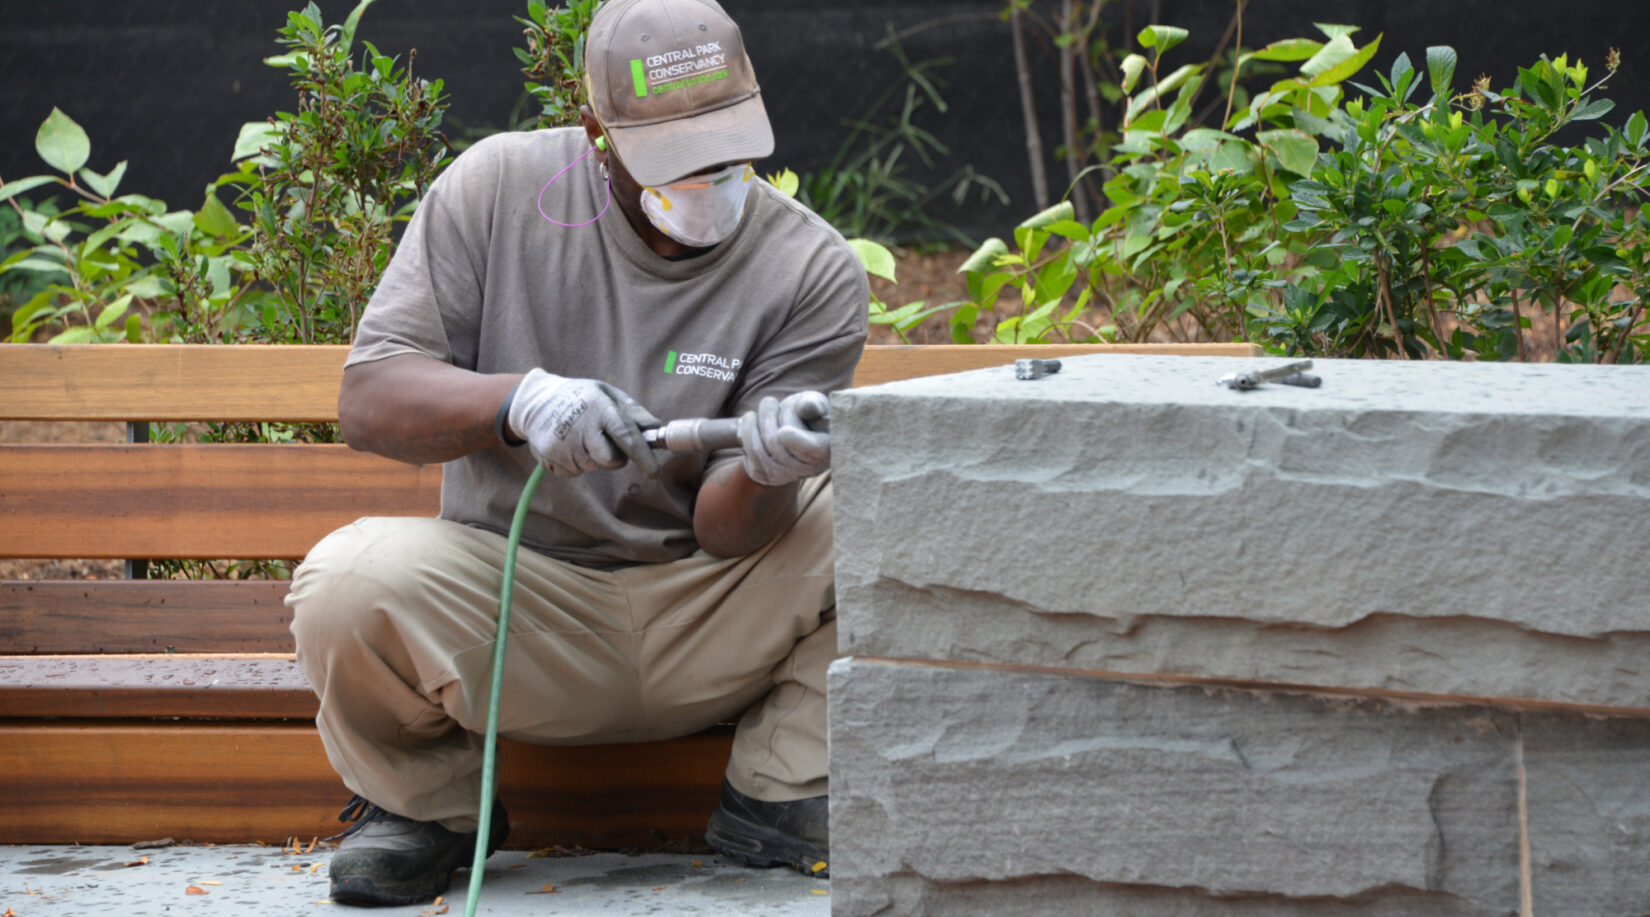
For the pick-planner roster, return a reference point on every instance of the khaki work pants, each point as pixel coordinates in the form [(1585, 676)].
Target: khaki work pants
[(395, 618)]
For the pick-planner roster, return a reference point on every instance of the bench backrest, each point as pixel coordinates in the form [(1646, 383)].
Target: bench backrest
[(217, 501)]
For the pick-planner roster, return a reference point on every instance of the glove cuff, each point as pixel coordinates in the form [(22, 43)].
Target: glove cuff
[(500, 431)]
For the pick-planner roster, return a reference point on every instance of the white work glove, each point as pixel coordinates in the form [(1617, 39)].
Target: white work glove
[(578, 425), (780, 448)]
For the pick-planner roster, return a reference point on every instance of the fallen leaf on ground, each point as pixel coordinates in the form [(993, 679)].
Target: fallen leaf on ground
[(312, 869), (196, 890), (9, 913), (140, 861), (513, 866), (548, 889), (819, 891), (210, 882), (312, 842)]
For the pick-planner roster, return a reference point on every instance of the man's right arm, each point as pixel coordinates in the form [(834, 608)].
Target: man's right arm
[(417, 409)]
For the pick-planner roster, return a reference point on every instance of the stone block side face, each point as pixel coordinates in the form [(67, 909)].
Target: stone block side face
[(977, 521), (947, 780), (1587, 791)]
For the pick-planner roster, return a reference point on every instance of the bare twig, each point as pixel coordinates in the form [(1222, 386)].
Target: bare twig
[(1034, 140)]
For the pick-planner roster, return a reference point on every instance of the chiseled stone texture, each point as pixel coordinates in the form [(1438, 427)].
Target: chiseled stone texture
[(1588, 795), (1437, 528), (1060, 794)]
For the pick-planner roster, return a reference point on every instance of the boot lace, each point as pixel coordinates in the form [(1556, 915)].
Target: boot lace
[(360, 811)]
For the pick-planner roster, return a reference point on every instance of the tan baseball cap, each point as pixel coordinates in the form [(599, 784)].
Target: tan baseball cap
[(670, 83)]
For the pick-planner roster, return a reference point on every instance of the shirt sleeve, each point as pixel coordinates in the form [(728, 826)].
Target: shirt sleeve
[(819, 346), (429, 299)]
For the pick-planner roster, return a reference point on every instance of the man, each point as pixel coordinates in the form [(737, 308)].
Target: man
[(546, 307)]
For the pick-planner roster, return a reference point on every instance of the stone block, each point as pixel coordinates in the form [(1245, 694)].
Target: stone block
[(1470, 530), (1588, 797), (955, 786)]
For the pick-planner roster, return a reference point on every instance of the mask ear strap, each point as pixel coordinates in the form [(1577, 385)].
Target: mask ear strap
[(605, 185)]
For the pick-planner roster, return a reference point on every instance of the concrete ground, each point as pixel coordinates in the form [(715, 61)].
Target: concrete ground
[(110, 881)]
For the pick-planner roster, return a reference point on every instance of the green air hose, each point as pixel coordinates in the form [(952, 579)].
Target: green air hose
[(702, 435), (489, 752)]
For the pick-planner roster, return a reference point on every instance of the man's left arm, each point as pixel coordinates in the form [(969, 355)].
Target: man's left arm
[(734, 515)]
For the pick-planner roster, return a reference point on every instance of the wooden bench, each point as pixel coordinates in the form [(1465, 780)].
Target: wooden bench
[(141, 709)]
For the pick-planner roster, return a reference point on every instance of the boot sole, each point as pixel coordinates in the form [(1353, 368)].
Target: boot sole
[(759, 846), (360, 890)]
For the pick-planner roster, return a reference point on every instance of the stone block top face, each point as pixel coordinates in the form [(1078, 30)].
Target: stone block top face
[(1065, 513), (1446, 387)]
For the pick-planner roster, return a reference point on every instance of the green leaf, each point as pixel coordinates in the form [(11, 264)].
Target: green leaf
[(1132, 66), (1636, 129), (1349, 67), (1336, 31), (785, 182), (1596, 108), (13, 188), (985, 257), (1337, 50), (1061, 211), (1296, 150), (105, 184), (878, 260), (253, 138), (1441, 60), (214, 218), (1288, 50), (286, 61), (113, 311), (62, 143), (346, 36), (1161, 37)]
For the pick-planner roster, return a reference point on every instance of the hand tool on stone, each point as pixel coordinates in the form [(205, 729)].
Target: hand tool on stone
[(1287, 374), (1027, 370)]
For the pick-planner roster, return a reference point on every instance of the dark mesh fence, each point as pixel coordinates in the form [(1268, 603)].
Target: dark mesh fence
[(166, 84)]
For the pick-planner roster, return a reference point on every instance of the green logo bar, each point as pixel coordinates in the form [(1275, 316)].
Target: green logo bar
[(639, 75), (670, 363)]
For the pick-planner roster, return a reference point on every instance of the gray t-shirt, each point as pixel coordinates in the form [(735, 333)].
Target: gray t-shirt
[(482, 280)]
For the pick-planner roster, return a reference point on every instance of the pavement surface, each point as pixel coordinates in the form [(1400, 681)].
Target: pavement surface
[(67, 881)]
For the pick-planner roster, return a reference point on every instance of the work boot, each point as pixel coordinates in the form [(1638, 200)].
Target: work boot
[(386, 859), (756, 833)]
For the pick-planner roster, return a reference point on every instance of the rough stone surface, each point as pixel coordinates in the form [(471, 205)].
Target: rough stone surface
[(950, 783), (1436, 528), (1588, 794)]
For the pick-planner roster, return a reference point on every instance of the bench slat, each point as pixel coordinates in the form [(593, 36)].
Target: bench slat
[(200, 686), (143, 616), (171, 382), (184, 382), (241, 783), (206, 501)]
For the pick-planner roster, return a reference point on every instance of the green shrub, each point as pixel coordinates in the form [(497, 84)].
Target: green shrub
[(1396, 223)]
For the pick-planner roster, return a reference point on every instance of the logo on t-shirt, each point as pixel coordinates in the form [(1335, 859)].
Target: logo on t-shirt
[(708, 365)]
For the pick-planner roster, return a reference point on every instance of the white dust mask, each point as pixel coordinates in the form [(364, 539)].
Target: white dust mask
[(700, 210)]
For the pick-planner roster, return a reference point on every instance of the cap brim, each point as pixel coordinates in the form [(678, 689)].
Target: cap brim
[(655, 154)]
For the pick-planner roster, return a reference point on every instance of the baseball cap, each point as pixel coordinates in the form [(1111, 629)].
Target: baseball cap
[(671, 85)]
